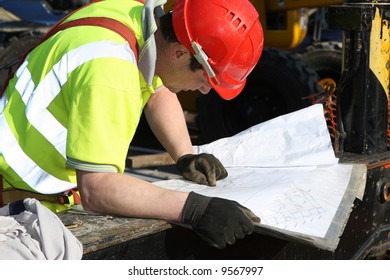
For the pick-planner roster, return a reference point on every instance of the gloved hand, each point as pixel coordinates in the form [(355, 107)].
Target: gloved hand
[(203, 168), (218, 221)]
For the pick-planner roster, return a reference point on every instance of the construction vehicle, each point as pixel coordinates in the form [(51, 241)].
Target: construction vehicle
[(355, 97)]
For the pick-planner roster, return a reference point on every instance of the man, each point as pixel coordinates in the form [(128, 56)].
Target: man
[(72, 108)]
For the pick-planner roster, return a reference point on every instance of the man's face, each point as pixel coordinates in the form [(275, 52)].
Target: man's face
[(182, 78), (189, 80)]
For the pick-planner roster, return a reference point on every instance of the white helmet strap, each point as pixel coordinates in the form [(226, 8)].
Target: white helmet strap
[(202, 58)]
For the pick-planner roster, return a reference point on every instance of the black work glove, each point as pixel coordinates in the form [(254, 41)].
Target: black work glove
[(203, 169), (218, 221)]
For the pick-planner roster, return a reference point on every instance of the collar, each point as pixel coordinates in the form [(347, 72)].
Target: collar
[(148, 51)]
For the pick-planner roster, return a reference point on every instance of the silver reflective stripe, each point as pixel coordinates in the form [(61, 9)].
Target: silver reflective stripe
[(32, 174), (36, 110), (50, 86), (25, 85)]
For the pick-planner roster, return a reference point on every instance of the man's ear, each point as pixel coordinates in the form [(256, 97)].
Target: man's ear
[(178, 52)]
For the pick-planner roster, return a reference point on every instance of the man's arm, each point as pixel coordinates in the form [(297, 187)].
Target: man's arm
[(119, 194), (217, 221), (166, 119)]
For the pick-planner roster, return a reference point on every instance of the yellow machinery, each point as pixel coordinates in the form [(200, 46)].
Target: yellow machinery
[(284, 22)]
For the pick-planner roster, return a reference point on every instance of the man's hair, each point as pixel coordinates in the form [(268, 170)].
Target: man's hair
[(168, 33)]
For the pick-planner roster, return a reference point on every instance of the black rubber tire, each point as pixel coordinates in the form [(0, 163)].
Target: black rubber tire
[(275, 87), (325, 58), (15, 47)]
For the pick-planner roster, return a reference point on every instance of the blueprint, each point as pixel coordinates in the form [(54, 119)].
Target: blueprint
[(286, 172)]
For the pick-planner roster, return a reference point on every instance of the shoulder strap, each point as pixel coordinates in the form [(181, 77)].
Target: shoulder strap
[(108, 23)]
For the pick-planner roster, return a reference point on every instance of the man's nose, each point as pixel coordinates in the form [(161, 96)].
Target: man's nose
[(204, 89)]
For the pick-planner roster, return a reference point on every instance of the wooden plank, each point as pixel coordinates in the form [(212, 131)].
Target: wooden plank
[(98, 232), (141, 161)]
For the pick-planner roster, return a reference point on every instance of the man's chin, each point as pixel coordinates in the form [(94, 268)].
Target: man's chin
[(174, 90)]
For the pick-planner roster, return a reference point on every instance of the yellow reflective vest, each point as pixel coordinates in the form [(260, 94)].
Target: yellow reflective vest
[(74, 103)]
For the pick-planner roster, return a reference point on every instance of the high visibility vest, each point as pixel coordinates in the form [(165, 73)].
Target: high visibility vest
[(75, 102)]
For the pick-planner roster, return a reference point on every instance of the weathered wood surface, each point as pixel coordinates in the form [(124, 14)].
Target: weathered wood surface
[(97, 232)]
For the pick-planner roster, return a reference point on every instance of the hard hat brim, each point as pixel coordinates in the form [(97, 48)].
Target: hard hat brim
[(227, 93)]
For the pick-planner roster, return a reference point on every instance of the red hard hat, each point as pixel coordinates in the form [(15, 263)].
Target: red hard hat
[(225, 36)]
